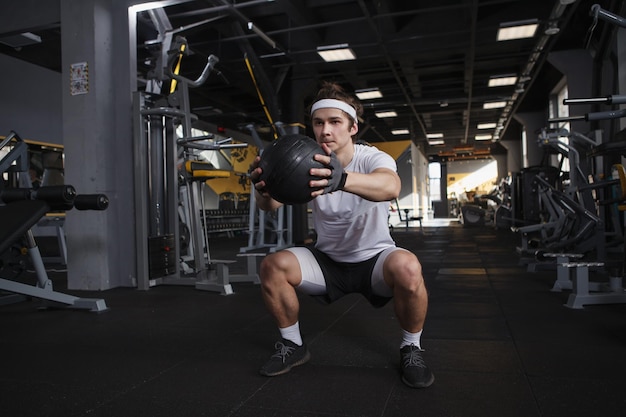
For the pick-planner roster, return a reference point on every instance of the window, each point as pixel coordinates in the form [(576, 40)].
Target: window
[(558, 109), (434, 174)]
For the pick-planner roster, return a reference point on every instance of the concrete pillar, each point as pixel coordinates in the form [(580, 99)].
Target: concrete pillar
[(512, 142), (577, 66), (513, 154), (532, 122), (97, 134), (501, 160)]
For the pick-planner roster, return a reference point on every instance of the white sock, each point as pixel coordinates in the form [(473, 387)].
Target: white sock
[(409, 338), (292, 333)]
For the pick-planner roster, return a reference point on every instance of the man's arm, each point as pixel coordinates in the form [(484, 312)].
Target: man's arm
[(263, 200), (382, 184)]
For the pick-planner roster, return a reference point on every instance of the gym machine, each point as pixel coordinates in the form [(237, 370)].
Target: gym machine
[(572, 272), (577, 184), (572, 220), (560, 222), (20, 210), (568, 226), (171, 234)]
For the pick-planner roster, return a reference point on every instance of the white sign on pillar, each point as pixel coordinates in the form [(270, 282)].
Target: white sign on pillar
[(79, 78)]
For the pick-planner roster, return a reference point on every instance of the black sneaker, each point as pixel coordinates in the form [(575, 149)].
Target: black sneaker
[(287, 355), (415, 373)]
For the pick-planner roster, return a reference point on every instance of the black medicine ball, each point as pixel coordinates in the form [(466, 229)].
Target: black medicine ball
[(286, 163)]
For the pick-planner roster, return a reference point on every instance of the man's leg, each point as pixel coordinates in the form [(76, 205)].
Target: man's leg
[(403, 273), (280, 275)]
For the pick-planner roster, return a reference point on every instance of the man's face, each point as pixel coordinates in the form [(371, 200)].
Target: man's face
[(333, 127)]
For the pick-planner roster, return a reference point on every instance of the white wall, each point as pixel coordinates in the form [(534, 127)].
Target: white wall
[(413, 171)]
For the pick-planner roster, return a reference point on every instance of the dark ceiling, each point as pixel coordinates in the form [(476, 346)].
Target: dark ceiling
[(430, 59)]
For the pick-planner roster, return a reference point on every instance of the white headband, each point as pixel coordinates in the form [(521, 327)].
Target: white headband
[(331, 103)]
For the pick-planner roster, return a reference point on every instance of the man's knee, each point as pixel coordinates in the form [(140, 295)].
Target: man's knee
[(404, 264), (407, 273), (277, 266)]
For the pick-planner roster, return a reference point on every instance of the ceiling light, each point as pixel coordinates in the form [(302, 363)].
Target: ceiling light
[(436, 142), (517, 30), (333, 53), (486, 126), (483, 137), (494, 104), (368, 93), (21, 39), (434, 135), (400, 132), (500, 80), (386, 113)]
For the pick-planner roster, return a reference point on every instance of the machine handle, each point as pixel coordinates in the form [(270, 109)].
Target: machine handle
[(613, 99), (599, 13), (602, 115), (91, 202), (58, 197), (212, 60)]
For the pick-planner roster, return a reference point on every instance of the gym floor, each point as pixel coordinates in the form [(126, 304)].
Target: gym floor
[(499, 342)]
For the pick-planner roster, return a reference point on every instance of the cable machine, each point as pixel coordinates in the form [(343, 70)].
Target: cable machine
[(171, 237)]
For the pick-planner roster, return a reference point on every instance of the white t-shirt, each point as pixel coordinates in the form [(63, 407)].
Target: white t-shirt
[(350, 228)]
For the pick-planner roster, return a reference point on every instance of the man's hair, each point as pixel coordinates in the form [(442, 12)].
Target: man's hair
[(337, 92)]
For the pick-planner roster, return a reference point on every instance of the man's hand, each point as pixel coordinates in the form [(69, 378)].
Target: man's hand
[(332, 177), (255, 172)]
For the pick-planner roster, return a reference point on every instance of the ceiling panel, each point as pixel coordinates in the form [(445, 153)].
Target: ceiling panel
[(431, 60)]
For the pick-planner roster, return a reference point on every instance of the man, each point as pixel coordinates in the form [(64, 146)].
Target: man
[(354, 251)]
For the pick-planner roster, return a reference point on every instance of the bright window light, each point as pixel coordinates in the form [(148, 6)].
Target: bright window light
[(500, 80), (483, 137), (517, 30), (400, 132), (434, 135), (486, 126), (478, 177), (368, 93), (334, 53), (434, 170), (386, 113), (494, 104)]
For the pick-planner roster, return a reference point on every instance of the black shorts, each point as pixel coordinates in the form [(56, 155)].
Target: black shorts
[(344, 278)]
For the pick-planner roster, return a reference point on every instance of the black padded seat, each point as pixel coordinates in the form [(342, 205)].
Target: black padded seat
[(17, 218)]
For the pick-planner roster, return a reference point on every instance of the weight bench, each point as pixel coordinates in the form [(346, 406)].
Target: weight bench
[(586, 292), (16, 220), (252, 274), (406, 219)]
